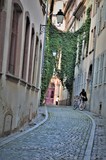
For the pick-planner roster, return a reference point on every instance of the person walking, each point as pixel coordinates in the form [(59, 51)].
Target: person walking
[(57, 100)]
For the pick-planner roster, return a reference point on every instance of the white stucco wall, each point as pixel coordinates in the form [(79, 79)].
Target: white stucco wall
[(15, 98)]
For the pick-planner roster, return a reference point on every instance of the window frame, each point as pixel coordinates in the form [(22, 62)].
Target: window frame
[(16, 30), (26, 47)]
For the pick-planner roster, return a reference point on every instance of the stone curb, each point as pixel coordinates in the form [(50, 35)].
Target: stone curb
[(24, 132), (91, 139)]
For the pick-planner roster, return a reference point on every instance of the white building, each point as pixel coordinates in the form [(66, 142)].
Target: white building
[(90, 73), (98, 49), (21, 50)]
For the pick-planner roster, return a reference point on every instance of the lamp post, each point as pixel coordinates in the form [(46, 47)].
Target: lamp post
[(54, 53), (59, 16)]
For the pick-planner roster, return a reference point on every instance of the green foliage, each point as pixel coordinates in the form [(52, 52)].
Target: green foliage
[(48, 66), (66, 42)]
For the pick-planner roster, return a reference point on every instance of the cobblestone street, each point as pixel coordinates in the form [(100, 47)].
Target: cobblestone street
[(64, 136)]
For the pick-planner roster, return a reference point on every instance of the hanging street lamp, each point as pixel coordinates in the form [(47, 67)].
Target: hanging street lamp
[(59, 16)]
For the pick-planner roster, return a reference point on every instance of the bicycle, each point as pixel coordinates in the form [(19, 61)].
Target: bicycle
[(82, 104), (76, 102), (79, 103)]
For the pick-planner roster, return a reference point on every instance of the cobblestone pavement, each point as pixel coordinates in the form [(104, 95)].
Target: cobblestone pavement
[(99, 143), (64, 136), (38, 120)]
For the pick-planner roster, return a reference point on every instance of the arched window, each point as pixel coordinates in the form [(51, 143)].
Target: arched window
[(26, 45), (2, 4), (35, 60), (15, 41), (39, 65), (31, 55), (2, 30)]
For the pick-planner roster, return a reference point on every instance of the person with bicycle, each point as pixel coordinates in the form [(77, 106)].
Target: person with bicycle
[(83, 97)]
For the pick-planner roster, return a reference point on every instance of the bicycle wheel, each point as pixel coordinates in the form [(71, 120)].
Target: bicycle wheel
[(75, 106), (81, 107)]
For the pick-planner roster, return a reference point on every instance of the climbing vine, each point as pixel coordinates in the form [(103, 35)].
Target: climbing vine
[(66, 42)]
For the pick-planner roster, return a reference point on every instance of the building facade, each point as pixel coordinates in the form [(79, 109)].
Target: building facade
[(54, 90), (90, 73), (98, 49), (76, 14), (21, 51), (55, 6)]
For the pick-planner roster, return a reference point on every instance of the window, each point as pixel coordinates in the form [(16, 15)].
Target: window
[(104, 14), (2, 30), (35, 60), (96, 71), (102, 20), (52, 94), (104, 68), (31, 55), (42, 3), (26, 44), (39, 64), (101, 69), (91, 41), (96, 5), (1, 4), (52, 85), (94, 37), (14, 51), (101, 17), (83, 46), (98, 21)]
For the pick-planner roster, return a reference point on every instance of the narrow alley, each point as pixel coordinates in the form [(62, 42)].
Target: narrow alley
[(64, 136), (52, 79)]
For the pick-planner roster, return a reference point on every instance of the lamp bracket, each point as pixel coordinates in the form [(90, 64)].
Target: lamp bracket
[(42, 28)]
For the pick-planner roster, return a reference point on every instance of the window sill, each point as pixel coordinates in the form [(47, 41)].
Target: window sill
[(100, 84), (95, 86), (12, 78), (33, 88), (23, 82), (28, 86), (91, 51), (37, 89)]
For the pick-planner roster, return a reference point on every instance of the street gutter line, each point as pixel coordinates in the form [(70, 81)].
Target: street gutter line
[(91, 139)]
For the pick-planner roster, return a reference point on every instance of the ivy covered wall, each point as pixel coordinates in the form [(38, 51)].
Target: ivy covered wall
[(66, 42)]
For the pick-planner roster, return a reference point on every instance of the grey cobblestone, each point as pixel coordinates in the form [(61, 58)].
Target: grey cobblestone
[(63, 137), (99, 143)]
